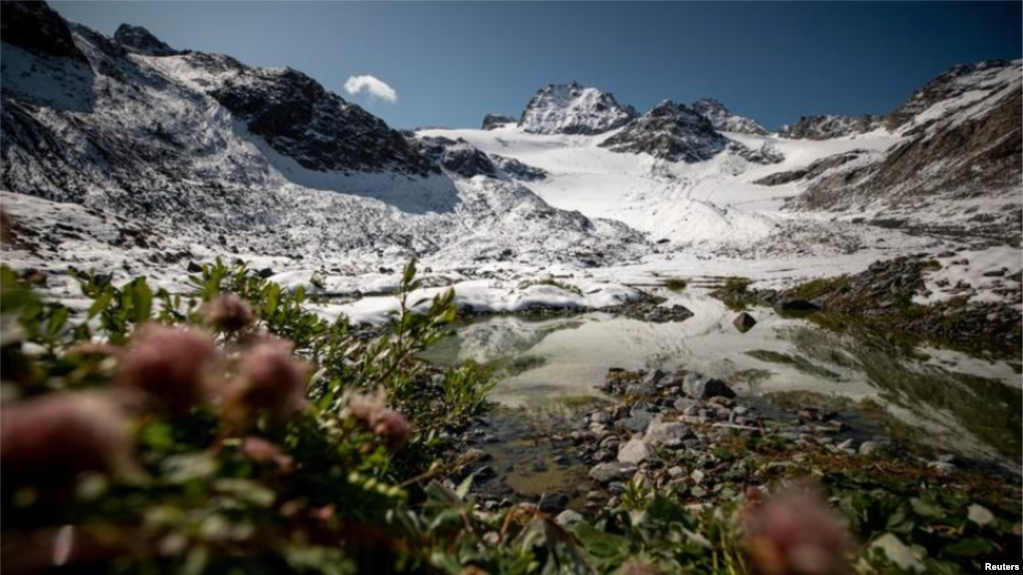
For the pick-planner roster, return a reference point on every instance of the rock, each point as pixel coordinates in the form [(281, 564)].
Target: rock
[(600, 417), (604, 472), (660, 432), (634, 451), (491, 121), (703, 387), (38, 28), (568, 517), (193, 268), (573, 109), (638, 421), (669, 131), (652, 378), (554, 502), (744, 322), (142, 41), (603, 455), (682, 404), (697, 476), (616, 488), (740, 410), (475, 454), (675, 472)]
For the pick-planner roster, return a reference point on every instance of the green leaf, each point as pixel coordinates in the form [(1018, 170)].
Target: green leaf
[(142, 300), (971, 547)]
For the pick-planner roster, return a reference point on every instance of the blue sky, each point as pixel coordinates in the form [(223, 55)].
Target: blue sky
[(452, 62)]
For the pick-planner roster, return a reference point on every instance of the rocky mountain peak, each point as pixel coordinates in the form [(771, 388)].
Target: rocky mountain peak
[(827, 126), (962, 85), (35, 27), (141, 41), (491, 121), (723, 119), (573, 109), (300, 119), (669, 131)]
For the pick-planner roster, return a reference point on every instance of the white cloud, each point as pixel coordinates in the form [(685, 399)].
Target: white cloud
[(372, 86)]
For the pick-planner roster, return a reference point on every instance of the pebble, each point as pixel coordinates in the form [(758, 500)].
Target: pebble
[(568, 517), (634, 451)]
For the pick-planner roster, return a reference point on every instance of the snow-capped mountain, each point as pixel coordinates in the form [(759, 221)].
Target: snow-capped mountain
[(669, 131), (251, 160), (194, 149), (724, 120), (956, 168), (573, 109)]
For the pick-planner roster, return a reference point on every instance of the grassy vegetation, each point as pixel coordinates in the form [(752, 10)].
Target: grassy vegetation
[(817, 287), (231, 430), (675, 284), (735, 293), (801, 363)]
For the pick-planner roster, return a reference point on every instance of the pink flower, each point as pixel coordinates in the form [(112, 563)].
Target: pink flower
[(168, 364), (55, 436), (262, 451), (227, 312), (270, 379), (372, 411), (796, 533), (392, 428)]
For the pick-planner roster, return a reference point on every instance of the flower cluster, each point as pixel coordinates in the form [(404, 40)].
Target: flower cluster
[(372, 411), (796, 533), (57, 435)]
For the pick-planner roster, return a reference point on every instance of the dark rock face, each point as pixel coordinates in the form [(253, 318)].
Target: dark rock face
[(812, 171), (142, 41), (941, 88), (459, 156), (491, 121), (825, 127), (518, 170), (669, 131), (959, 158), (319, 129), (723, 119), (37, 28)]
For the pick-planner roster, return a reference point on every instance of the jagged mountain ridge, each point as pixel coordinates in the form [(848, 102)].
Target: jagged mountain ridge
[(251, 159), (669, 131), (958, 165), (724, 120), (573, 109)]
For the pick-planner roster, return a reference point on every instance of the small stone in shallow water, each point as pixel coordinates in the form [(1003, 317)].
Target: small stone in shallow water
[(744, 322), (703, 387)]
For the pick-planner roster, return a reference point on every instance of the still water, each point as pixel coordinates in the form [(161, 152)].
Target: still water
[(957, 402)]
